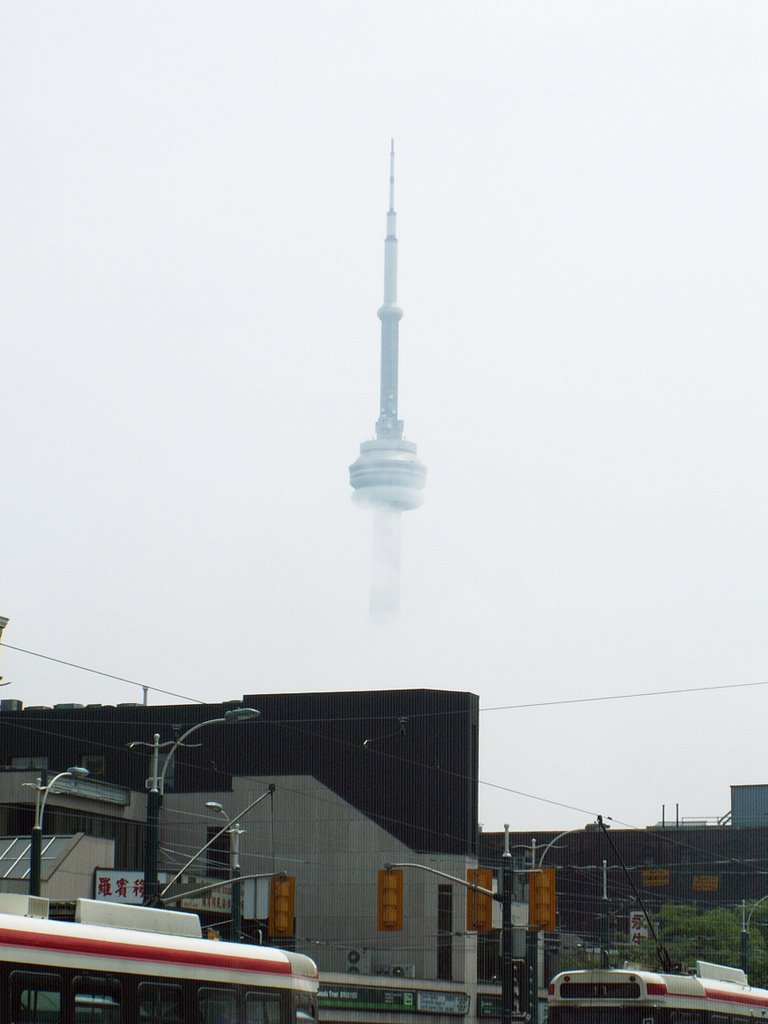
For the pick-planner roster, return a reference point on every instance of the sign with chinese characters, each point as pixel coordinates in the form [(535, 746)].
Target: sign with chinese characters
[(128, 887), (218, 900), (638, 927), (656, 878), (119, 886), (706, 883)]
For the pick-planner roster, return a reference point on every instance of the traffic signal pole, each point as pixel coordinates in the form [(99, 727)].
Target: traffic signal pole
[(507, 931)]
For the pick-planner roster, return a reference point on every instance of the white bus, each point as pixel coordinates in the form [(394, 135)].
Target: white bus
[(137, 965)]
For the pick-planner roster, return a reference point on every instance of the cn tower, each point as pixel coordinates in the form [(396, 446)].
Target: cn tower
[(387, 477)]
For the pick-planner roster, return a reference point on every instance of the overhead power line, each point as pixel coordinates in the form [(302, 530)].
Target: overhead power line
[(671, 692), (98, 672), (625, 696)]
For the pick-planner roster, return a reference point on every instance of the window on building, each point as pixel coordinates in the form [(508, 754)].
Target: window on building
[(95, 765), (218, 853), (38, 764), (445, 932)]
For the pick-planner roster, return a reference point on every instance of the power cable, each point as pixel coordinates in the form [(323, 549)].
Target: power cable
[(501, 707)]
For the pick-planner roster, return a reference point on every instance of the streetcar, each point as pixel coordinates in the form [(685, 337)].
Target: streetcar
[(139, 965), (708, 994)]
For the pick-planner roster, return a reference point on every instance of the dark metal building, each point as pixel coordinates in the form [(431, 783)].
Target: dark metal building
[(406, 759)]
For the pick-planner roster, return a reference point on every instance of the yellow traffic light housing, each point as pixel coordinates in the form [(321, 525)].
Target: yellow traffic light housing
[(281, 909), (479, 906), (542, 900), (390, 902)]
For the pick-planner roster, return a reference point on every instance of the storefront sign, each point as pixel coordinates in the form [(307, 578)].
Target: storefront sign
[(442, 1002), (489, 1006), (119, 886), (706, 883), (656, 878), (360, 997), (396, 1000), (638, 927), (128, 887)]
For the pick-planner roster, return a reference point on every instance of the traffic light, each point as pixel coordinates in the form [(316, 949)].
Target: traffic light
[(281, 897), (390, 909), (542, 900), (519, 987), (479, 906)]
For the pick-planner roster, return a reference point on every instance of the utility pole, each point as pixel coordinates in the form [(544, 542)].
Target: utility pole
[(507, 977), (154, 799), (234, 873), (606, 931), (532, 947)]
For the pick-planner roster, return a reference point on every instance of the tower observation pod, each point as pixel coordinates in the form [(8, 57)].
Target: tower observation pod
[(388, 477)]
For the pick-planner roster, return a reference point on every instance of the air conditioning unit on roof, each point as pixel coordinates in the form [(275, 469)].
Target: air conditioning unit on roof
[(358, 961), (403, 970)]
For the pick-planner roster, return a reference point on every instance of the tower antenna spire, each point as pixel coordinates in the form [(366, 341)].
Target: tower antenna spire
[(388, 477), (392, 177)]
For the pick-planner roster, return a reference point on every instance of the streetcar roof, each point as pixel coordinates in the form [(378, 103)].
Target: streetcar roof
[(103, 937)]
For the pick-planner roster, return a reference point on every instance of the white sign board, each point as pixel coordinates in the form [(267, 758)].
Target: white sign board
[(638, 927), (442, 1002), (119, 886)]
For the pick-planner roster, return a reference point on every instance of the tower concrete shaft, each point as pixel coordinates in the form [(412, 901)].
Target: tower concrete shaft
[(387, 476)]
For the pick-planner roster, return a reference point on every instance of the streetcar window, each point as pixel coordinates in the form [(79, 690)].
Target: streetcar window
[(262, 1008), (35, 998), (160, 1004), (97, 999), (718, 1018), (306, 1012), (600, 990), (217, 1006)]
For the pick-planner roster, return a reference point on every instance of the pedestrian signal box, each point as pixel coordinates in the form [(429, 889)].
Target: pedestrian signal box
[(281, 900), (479, 906), (542, 900), (390, 902)]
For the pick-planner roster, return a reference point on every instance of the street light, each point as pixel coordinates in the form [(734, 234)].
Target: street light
[(745, 922), (3, 624), (234, 832), (36, 843), (156, 787)]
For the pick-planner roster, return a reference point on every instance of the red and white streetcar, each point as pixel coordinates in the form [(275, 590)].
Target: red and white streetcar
[(710, 994), (137, 965)]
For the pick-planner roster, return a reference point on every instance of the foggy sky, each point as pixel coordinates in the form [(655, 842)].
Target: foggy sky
[(192, 214)]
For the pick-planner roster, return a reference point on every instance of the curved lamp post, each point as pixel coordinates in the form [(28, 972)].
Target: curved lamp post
[(532, 937), (745, 921), (156, 787), (36, 842)]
